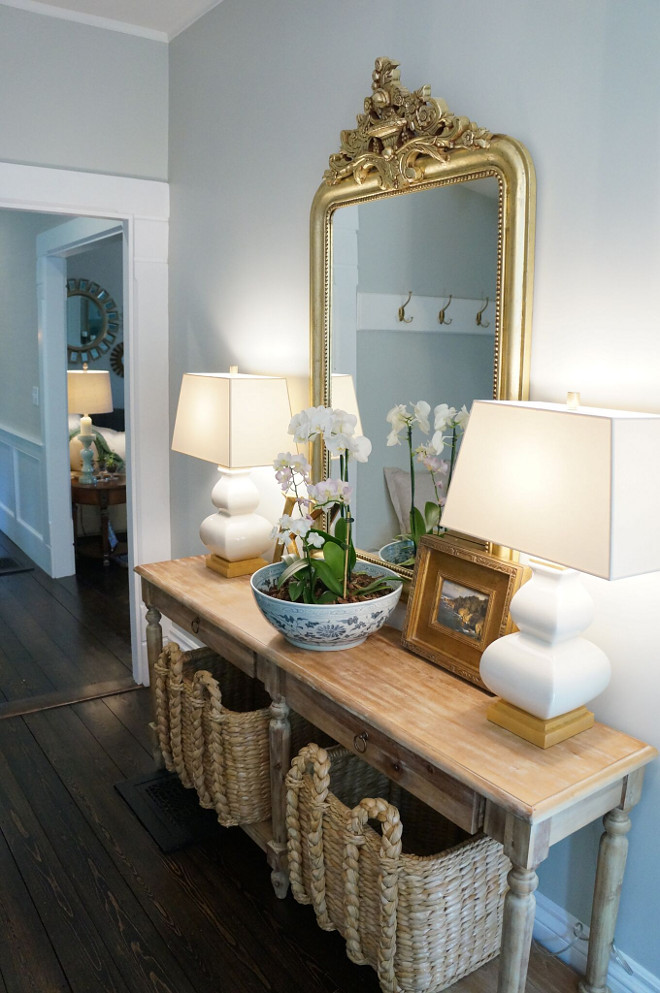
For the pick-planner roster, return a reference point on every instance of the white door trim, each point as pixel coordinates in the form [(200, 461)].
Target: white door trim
[(144, 207)]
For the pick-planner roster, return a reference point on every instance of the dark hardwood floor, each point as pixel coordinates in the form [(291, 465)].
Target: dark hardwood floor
[(61, 639), (88, 901)]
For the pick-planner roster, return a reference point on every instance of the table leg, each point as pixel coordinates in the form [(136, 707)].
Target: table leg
[(519, 908), (609, 878), (154, 648), (105, 534), (280, 747)]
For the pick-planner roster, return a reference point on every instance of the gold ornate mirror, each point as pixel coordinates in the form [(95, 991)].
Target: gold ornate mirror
[(92, 318), (422, 237)]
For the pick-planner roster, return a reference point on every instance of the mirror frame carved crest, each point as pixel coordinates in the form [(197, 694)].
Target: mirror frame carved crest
[(406, 142)]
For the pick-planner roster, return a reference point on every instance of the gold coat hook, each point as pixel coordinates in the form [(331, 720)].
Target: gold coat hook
[(402, 310), (479, 318), (441, 314)]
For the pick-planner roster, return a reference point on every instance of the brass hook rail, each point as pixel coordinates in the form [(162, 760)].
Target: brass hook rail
[(479, 318), (402, 310), (442, 319)]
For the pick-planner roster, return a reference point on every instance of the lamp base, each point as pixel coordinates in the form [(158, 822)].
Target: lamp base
[(540, 731), (243, 567)]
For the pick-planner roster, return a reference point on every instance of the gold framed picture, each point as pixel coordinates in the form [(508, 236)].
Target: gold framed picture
[(459, 604)]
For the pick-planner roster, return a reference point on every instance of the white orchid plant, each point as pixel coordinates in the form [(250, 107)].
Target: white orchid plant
[(322, 570), (448, 425)]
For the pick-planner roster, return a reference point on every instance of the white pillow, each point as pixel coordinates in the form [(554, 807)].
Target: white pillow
[(398, 487)]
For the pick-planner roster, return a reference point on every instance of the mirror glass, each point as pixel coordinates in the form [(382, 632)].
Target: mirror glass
[(437, 250), (93, 320), (422, 237)]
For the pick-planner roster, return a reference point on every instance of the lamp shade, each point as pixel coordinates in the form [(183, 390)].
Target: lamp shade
[(577, 487), (89, 392), (232, 419)]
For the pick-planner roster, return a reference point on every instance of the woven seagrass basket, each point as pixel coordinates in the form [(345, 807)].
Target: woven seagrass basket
[(424, 913), (213, 731)]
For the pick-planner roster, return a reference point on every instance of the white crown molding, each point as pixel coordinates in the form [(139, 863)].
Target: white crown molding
[(111, 24), (92, 20)]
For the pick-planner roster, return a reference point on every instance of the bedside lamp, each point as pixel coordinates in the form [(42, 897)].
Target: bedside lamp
[(577, 486), (238, 422), (88, 393)]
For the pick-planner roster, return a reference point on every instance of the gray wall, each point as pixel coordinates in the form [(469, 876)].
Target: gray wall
[(19, 345), (78, 97), (259, 94)]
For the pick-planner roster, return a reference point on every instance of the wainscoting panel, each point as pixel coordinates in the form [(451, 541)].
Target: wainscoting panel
[(22, 496)]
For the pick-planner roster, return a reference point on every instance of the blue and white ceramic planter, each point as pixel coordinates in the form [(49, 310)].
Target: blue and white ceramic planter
[(329, 627), (397, 552)]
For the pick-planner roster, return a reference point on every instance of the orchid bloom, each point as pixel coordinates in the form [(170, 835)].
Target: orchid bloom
[(401, 419), (311, 422), (330, 491), (444, 417)]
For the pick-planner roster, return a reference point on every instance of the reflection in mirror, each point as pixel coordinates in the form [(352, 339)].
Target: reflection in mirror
[(93, 320), (437, 247), (422, 240)]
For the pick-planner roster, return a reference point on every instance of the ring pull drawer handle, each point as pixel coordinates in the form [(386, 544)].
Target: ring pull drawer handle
[(360, 742), (194, 625)]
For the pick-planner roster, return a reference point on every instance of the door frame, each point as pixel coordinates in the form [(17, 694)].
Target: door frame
[(142, 208)]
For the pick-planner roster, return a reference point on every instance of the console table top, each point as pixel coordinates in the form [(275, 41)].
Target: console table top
[(416, 704)]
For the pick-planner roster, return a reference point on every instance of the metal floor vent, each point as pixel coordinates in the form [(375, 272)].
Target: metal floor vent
[(169, 812), (9, 565)]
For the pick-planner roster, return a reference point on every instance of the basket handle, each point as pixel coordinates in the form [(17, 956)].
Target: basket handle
[(162, 673), (205, 687), (389, 858), (312, 758)]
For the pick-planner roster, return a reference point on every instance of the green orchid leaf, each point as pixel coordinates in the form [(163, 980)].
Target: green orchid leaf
[(323, 571), (327, 597), (418, 524), (381, 583), (431, 515), (291, 570), (334, 556), (341, 532)]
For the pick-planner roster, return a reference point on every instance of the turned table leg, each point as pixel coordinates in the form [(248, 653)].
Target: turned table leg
[(154, 648), (519, 908), (609, 877), (280, 747)]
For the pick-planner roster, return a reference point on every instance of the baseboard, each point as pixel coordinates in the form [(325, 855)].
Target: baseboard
[(555, 929)]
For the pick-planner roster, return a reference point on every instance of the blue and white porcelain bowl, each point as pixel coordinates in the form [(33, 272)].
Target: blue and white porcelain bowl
[(329, 627)]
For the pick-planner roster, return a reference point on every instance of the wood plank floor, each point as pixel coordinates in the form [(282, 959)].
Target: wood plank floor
[(64, 637), (89, 903)]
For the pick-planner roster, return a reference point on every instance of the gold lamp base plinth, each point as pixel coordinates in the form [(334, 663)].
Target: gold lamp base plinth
[(244, 567), (540, 731)]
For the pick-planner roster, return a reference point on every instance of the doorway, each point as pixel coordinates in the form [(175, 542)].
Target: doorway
[(141, 209)]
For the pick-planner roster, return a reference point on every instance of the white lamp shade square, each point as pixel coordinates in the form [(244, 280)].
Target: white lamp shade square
[(576, 487), (232, 419), (89, 392)]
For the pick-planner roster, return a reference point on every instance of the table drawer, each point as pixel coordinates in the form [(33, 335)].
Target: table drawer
[(211, 636), (433, 786)]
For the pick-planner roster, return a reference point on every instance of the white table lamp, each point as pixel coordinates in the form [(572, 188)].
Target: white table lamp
[(238, 422), (88, 393), (575, 486)]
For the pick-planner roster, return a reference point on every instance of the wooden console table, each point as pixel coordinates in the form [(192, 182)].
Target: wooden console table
[(428, 731)]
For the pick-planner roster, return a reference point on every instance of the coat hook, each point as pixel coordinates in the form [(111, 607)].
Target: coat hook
[(441, 315), (479, 318), (402, 310)]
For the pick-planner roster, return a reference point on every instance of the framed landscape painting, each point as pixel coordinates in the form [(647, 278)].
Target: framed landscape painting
[(459, 604)]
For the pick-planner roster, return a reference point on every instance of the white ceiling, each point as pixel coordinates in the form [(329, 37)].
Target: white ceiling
[(158, 19)]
